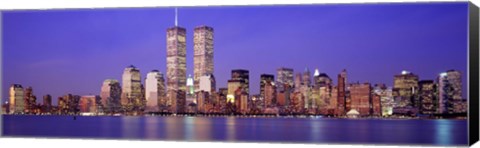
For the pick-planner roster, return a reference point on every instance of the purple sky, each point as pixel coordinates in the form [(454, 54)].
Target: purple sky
[(74, 51)]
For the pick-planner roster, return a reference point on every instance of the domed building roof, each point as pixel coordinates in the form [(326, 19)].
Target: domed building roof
[(353, 112)]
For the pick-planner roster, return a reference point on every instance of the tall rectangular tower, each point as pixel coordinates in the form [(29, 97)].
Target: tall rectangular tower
[(284, 77), (243, 75), (176, 68), (202, 53), (341, 93)]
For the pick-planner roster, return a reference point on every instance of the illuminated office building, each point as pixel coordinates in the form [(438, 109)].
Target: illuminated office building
[(207, 83), (427, 90), (269, 94), (264, 79), (376, 105), (132, 87), (202, 53), (341, 93), (333, 105), (321, 79), (360, 98), (17, 99), (233, 85), (176, 69), (450, 91), (386, 98), (30, 100), (306, 77), (405, 89), (110, 94), (88, 104), (297, 103), (202, 98), (243, 75), (284, 77), (298, 82), (190, 96), (155, 91)]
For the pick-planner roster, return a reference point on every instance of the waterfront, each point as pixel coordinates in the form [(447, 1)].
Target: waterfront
[(440, 132)]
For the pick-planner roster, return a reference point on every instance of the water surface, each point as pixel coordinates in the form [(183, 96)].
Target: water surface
[(231, 129)]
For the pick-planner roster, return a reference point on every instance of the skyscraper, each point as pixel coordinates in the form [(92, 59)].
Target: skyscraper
[(47, 103), (88, 104), (176, 68), (110, 95), (298, 82), (241, 74), (405, 89), (202, 98), (333, 105), (341, 92), (284, 77), (233, 85), (306, 77), (386, 98), (154, 90), (17, 100), (376, 105), (450, 91), (132, 87), (30, 99), (264, 79), (190, 86), (202, 53), (360, 98), (269, 95), (321, 79), (427, 90), (207, 83)]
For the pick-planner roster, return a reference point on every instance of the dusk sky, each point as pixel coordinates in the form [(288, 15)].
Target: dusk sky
[(74, 51)]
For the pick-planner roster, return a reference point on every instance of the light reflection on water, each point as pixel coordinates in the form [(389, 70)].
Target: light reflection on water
[(443, 132), (130, 127), (315, 132), (172, 126), (202, 129), (189, 124), (231, 129), (151, 127), (303, 130)]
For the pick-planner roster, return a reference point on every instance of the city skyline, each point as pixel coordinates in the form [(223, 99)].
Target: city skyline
[(223, 67)]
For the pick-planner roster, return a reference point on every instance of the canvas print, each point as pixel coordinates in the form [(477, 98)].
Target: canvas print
[(384, 73)]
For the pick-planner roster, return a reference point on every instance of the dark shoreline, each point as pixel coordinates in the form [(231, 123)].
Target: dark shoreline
[(253, 116)]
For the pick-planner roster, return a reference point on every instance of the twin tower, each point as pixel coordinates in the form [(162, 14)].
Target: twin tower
[(176, 62)]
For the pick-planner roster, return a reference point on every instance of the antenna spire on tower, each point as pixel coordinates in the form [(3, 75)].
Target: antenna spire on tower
[(176, 17)]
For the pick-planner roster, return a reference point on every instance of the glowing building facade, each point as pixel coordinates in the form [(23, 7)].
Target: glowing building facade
[(450, 91), (232, 86), (284, 77), (88, 104), (207, 83), (155, 91), (110, 95), (405, 89), (176, 69), (202, 53), (427, 91), (30, 100), (132, 87), (386, 98), (341, 93), (243, 75), (360, 94), (17, 99), (264, 79)]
